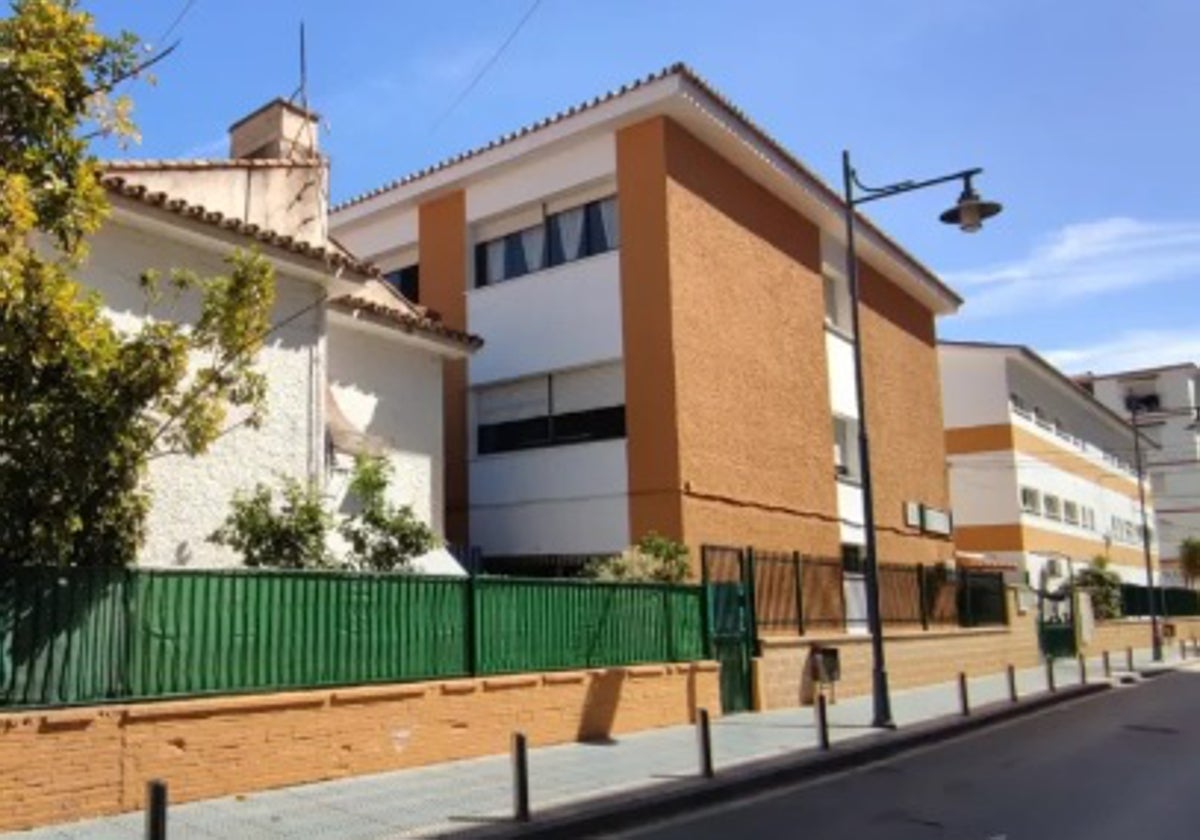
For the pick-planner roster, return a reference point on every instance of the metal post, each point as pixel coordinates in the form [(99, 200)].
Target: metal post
[(964, 699), (1012, 684), (822, 722), (1050, 674), (922, 596), (1082, 669), (156, 810), (704, 733), (1128, 659), (1155, 630), (882, 706), (1107, 665), (520, 759), (1182, 649), (797, 563)]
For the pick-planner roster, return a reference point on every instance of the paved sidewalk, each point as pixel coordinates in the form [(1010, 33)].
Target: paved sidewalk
[(446, 798)]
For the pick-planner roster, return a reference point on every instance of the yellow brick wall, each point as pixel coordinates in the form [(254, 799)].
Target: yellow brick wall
[(914, 658), (73, 764), (1116, 636)]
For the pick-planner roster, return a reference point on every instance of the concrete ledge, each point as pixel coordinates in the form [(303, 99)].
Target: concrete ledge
[(629, 809)]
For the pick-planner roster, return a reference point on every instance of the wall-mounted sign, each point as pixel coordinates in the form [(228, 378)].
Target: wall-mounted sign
[(912, 514), (936, 521)]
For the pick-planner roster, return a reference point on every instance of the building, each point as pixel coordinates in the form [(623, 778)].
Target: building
[(351, 365), (662, 290), (1167, 401), (1041, 472)]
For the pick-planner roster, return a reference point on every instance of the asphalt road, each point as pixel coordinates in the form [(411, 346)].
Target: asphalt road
[(1123, 765)]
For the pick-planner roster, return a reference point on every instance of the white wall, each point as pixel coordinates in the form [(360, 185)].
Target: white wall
[(191, 495), (392, 392), (567, 316), (839, 351), (558, 500), (983, 488), (850, 512), (974, 387)]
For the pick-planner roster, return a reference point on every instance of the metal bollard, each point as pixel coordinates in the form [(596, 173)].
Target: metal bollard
[(1128, 659), (704, 733), (1182, 649), (520, 759), (1107, 664), (1050, 674), (964, 698), (822, 722), (156, 810), (1012, 684), (1082, 669)]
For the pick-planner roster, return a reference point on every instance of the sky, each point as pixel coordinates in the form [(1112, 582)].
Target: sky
[(1085, 117)]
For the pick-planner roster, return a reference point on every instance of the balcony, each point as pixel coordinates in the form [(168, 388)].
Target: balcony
[(1025, 418)]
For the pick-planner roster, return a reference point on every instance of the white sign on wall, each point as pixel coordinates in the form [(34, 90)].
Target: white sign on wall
[(935, 521)]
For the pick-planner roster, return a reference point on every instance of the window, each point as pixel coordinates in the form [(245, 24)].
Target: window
[(1031, 500), (1158, 484), (837, 302), (555, 410), (853, 558), (407, 281), (1089, 518), (1070, 513), (570, 235), (1052, 507), (845, 447), (1142, 402)]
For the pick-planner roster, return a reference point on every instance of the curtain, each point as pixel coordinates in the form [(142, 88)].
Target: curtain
[(610, 222), (495, 261), (533, 241), (568, 234)]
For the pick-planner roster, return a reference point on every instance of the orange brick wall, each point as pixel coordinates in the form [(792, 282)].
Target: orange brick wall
[(72, 764), (1115, 636), (914, 658)]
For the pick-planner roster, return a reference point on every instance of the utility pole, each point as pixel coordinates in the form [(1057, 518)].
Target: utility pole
[(1155, 631)]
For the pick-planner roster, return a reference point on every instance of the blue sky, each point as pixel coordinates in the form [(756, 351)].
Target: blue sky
[(1085, 116)]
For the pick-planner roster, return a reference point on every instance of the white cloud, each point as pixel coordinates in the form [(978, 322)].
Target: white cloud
[(1131, 350), (1084, 260)]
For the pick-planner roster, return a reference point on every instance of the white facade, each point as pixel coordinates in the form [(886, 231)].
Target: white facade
[(1168, 400), (1065, 482)]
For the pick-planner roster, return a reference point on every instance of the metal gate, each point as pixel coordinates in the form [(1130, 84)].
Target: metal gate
[(1056, 625), (729, 585)]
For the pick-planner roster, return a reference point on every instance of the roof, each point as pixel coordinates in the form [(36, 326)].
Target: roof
[(404, 316), (680, 70), (144, 164), (1032, 356), (329, 256), (278, 101), (1136, 372)]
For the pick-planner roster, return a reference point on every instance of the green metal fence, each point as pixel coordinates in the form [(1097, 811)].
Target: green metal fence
[(1168, 600), (88, 635)]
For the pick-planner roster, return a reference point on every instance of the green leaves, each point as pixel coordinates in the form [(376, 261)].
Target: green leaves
[(382, 537), (83, 406), (655, 559)]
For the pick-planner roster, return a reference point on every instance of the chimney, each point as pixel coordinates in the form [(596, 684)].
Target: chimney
[(278, 130)]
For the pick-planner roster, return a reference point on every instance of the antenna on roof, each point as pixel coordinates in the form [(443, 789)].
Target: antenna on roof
[(301, 92)]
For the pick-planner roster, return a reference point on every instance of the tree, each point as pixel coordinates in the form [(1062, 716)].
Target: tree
[(655, 559), (289, 535), (1189, 559), (82, 406), (1102, 586), (383, 537)]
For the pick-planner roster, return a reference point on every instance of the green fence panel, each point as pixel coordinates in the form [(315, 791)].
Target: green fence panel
[(538, 625)]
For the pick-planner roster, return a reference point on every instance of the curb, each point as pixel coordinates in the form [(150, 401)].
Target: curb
[(628, 809)]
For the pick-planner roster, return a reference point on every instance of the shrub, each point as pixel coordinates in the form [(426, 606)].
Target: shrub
[(383, 537), (290, 535), (1102, 586), (655, 559)]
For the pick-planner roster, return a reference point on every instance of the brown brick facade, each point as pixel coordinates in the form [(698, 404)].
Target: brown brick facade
[(72, 764), (904, 414), (443, 235), (914, 658)]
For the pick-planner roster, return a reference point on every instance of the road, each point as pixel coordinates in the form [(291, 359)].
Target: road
[(1124, 765)]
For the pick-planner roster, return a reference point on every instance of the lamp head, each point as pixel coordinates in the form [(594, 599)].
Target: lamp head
[(971, 210)]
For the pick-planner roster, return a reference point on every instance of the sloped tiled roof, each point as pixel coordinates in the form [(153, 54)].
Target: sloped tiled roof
[(142, 164), (328, 256), (410, 320), (683, 71)]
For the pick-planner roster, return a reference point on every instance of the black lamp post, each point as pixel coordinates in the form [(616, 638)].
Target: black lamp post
[(968, 213), (1155, 628)]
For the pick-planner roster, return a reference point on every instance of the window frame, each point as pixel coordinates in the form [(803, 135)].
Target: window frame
[(1036, 508)]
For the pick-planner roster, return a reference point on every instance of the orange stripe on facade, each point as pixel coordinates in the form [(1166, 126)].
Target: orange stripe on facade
[(1023, 538), (1005, 437)]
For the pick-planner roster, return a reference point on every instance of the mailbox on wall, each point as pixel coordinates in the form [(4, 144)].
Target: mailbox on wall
[(826, 664)]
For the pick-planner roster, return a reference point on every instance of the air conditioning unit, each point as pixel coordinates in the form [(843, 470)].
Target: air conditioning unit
[(1053, 567)]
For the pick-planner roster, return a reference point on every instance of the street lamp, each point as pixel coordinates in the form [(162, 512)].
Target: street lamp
[(1155, 629), (968, 214)]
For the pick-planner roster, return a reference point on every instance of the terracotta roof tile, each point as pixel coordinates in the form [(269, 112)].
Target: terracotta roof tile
[(329, 256), (424, 321), (684, 71)]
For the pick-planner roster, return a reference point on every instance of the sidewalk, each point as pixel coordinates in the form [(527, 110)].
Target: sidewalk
[(465, 795)]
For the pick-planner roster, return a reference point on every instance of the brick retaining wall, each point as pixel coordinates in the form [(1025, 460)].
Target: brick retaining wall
[(70, 764)]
